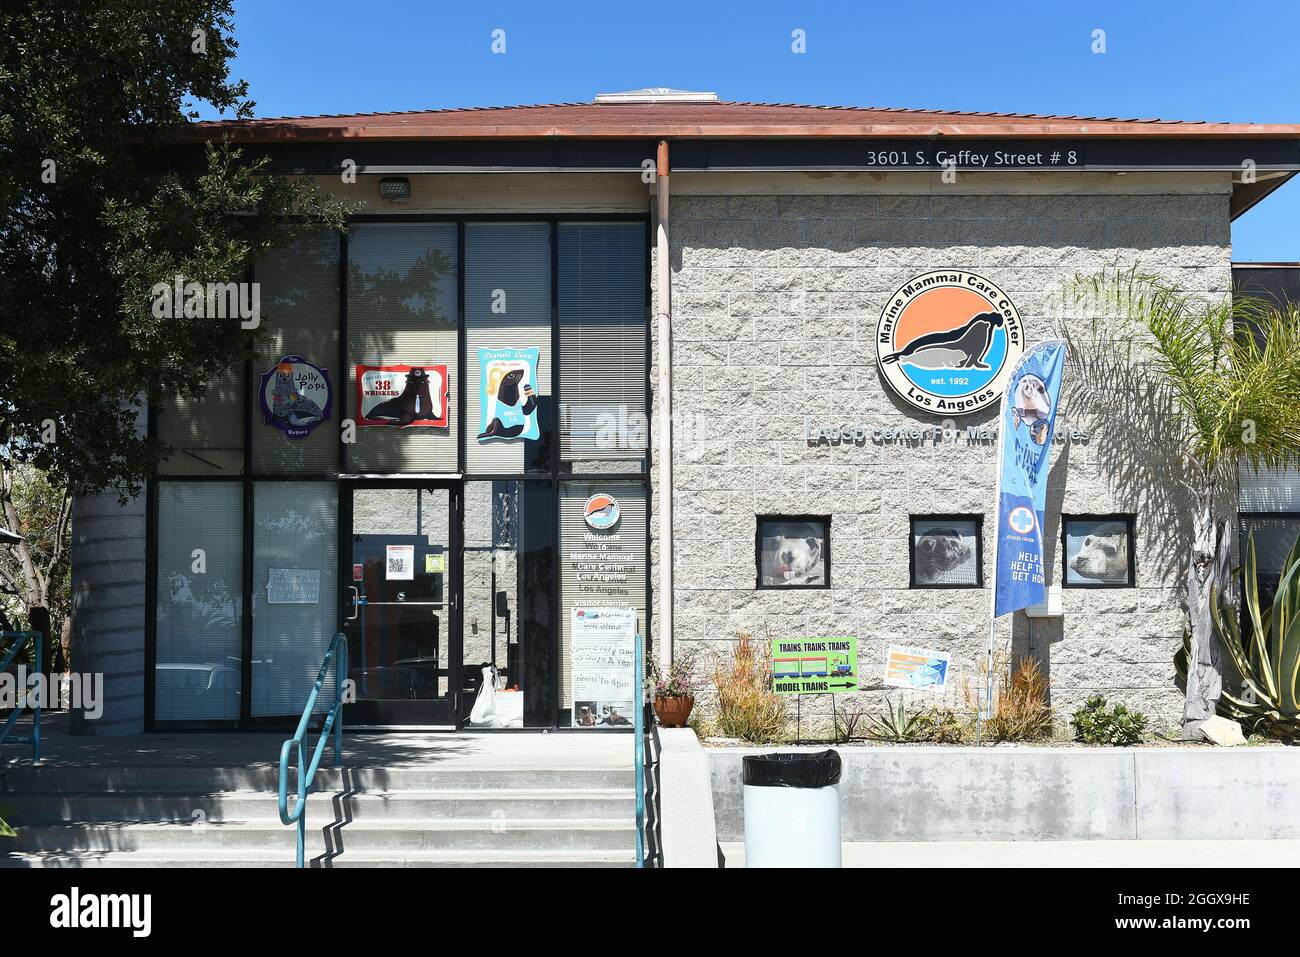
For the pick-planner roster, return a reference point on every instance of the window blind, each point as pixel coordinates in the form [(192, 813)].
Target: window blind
[(602, 307)]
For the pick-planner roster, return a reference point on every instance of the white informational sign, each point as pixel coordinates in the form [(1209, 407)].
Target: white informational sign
[(293, 586), (907, 667), (603, 650), (400, 563)]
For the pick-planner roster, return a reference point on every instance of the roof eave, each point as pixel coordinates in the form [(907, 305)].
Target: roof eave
[(273, 132)]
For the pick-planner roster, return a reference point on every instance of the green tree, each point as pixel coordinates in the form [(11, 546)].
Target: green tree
[(35, 575), (100, 204), (1216, 382)]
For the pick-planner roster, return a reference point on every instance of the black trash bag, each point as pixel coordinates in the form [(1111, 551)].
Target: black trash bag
[(794, 770)]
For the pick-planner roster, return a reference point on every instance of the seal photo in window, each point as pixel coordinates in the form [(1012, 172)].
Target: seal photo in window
[(793, 551), (1098, 550), (946, 551)]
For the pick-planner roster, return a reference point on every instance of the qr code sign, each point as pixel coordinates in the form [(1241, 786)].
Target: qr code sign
[(395, 565)]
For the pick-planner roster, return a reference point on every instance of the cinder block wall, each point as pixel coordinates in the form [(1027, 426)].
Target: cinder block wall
[(775, 301)]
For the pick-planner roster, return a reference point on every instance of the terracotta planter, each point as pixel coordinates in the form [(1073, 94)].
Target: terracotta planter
[(674, 712)]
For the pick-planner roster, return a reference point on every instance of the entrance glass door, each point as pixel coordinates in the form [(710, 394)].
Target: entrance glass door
[(401, 605)]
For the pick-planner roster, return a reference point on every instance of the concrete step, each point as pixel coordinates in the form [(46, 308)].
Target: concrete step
[(20, 777), (504, 804), (396, 837), (276, 858)]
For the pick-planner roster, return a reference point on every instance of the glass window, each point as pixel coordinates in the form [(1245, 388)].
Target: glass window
[(295, 599), (793, 551), (208, 431), (508, 347), (197, 667), (602, 565), (299, 283), (947, 551), (1098, 551), (603, 329), (403, 347)]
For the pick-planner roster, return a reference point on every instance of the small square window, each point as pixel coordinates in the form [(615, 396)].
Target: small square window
[(947, 551), (1097, 551), (793, 551)]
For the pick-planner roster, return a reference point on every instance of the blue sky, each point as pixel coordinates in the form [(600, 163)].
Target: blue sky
[(1184, 60)]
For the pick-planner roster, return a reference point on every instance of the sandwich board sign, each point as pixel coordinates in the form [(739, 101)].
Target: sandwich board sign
[(920, 668), (814, 665)]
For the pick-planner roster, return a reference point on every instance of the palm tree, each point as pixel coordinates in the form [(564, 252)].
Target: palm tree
[(1222, 376)]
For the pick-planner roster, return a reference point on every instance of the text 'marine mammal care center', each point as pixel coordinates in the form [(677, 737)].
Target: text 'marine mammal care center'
[(454, 447)]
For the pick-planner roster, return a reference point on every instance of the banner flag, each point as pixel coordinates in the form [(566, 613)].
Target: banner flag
[(1025, 439)]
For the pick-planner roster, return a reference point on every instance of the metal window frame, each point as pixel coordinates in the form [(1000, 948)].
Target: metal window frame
[(759, 519), (1130, 519), (975, 517), (554, 475)]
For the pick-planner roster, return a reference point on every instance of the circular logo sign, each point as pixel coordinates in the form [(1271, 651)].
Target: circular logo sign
[(1021, 520), (947, 340), (295, 396), (602, 512)]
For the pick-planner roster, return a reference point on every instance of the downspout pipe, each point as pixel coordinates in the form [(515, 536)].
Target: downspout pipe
[(663, 328)]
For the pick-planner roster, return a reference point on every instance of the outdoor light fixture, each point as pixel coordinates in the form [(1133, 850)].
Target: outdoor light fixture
[(395, 189)]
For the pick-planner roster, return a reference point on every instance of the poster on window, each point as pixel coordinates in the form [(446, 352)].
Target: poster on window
[(399, 564), (402, 395), (602, 650), (295, 396), (507, 394)]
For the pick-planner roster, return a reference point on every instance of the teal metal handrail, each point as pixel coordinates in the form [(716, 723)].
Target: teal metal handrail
[(338, 656), (20, 638), (638, 751)]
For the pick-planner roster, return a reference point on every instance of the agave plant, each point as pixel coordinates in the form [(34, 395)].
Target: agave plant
[(1269, 661), (895, 724)]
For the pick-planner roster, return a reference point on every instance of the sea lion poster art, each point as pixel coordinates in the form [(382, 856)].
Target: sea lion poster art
[(946, 341), (295, 396), (507, 394), (402, 395)]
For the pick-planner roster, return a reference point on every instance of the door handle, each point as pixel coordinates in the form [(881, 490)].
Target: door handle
[(356, 604)]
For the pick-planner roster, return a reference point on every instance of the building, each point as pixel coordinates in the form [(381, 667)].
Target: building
[(450, 445)]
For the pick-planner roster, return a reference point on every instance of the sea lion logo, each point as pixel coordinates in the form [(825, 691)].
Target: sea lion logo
[(602, 512), (947, 340)]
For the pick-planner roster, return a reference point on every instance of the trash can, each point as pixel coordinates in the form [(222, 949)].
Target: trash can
[(792, 809)]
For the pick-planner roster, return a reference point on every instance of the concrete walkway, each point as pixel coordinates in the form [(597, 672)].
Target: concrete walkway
[(1198, 854)]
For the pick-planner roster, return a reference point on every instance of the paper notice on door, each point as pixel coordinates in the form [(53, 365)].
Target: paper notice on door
[(293, 586), (400, 564), (435, 564)]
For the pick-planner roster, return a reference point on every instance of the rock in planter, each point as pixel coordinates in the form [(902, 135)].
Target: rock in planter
[(1222, 731)]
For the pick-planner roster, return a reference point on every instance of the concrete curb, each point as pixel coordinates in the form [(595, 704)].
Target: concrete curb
[(1047, 794), (688, 827)]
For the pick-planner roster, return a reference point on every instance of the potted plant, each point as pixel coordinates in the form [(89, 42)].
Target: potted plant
[(673, 696)]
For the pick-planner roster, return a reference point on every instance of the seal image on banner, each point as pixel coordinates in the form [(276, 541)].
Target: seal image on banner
[(946, 342), (1032, 406)]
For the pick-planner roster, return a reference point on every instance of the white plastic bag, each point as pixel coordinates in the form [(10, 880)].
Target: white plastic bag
[(485, 704)]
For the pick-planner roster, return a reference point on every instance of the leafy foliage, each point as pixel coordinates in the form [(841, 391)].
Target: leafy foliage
[(1268, 662), (677, 684), (36, 572), (1231, 364), (102, 199), (747, 707), (1094, 723), (932, 725), (1020, 708)]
